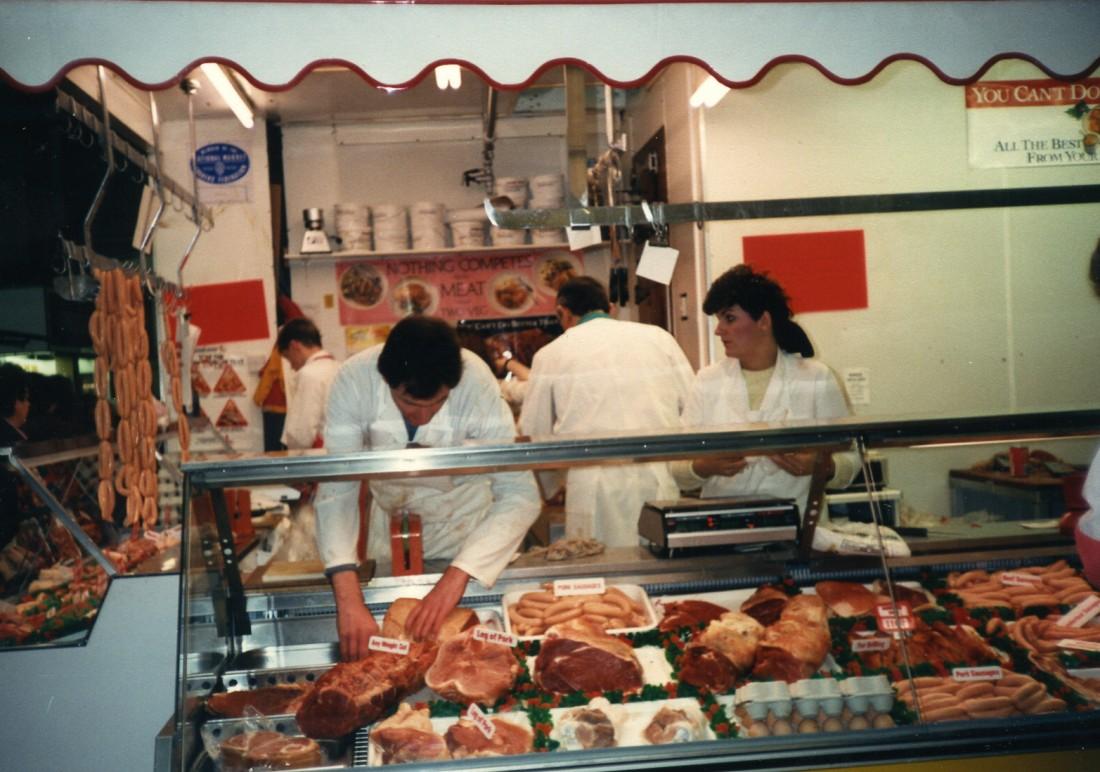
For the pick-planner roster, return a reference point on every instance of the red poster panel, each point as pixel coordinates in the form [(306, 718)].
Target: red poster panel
[(477, 285), (819, 271), (228, 312)]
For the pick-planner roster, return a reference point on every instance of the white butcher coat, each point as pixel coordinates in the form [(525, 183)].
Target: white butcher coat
[(608, 376), (475, 521), (799, 389), (305, 410)]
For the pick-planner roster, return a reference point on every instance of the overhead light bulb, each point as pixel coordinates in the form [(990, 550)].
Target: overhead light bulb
[(229, 92), (709, 93), (448, 76)]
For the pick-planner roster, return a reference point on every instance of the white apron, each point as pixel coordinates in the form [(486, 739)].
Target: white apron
[(450, 507), (617, 494)]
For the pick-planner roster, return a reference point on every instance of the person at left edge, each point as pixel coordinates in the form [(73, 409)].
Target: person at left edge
[(421, 388), (299, 343)]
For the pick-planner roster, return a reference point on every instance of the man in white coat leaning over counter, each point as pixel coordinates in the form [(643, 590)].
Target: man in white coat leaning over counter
[(605, 375), (419, 388)]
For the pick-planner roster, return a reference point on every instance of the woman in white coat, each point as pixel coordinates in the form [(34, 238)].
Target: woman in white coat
[(766, 375), (421, 388)]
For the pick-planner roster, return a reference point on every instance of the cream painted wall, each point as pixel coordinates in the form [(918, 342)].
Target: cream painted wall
[(237, 248), (970, 311)]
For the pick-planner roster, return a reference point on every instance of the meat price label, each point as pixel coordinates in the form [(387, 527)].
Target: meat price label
[(873, 643), (992, 673), (1079, 615), (1017, 579), (387, 645), (495, 636), (1073, 643), (593, 586), (481, 721), (891, 622)]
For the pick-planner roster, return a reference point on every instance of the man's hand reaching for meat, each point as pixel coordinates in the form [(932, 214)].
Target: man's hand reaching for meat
[(354, 622), (426, 619)]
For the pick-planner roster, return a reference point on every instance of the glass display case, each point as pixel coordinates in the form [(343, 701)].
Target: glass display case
[(944, 633)]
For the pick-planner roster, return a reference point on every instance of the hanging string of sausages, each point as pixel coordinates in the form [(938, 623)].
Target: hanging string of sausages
[(171, 355), (117, 328)]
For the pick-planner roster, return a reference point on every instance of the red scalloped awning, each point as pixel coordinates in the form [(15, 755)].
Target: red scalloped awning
[(155, 43)]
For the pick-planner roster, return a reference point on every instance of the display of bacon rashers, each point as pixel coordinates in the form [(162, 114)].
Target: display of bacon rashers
[(937, 643), (794, 647), (580, 656), (353, 694), (1057, 584), (468, 669)]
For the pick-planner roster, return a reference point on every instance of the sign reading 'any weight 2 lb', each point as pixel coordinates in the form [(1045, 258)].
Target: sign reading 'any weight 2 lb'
[(220, 163)]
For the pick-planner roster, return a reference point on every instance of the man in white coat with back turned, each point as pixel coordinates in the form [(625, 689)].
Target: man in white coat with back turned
[(604, 375)]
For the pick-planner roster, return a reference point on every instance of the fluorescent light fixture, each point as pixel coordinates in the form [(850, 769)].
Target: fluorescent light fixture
[(709, 93), (230, 93), (448, 76)]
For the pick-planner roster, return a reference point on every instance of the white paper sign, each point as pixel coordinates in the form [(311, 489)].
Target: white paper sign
[(495, 636), (875, 643), (1016, 579), (857, 382), (658, 263), (481, 721), (594, 586), (1073, 643), (991, 673), (579, 238), (1079, 615), (387, 645)]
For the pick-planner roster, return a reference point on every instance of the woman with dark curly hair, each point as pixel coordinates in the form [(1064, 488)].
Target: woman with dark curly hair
[(768, 374)]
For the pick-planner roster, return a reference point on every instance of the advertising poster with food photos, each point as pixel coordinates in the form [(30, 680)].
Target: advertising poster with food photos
[(1033, 123), (453, 286)]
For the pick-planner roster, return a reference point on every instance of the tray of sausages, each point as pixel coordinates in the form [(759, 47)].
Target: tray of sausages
[(620, 608)]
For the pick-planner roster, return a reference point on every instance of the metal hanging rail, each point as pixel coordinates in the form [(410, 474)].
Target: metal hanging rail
[(189, 205), (660, 215)]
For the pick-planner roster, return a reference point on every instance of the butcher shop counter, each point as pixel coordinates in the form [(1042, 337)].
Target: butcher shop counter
[(261, 639)]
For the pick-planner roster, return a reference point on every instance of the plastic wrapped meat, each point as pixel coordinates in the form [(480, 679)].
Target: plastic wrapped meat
[(585, 727), (675, 725)]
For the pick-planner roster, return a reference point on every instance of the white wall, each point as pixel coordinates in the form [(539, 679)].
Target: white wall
[(237, 248), (970, 311)]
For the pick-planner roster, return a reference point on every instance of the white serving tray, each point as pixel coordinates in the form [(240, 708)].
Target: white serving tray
[(633, 591)]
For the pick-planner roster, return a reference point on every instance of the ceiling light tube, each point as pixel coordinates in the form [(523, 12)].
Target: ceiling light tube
[(709, 93), (230, 93), (448, 76)]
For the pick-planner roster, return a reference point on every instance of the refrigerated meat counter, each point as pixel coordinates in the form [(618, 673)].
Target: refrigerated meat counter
[(771, 658)]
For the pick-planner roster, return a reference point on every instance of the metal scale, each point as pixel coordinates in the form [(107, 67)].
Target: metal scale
[(739, 520)]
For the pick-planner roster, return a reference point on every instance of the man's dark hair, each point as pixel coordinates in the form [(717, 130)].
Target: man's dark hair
[(302, 330), (757, 293), (422, 354), (14, 384), (582, 295)]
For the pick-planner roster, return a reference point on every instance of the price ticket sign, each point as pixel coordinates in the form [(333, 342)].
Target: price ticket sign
[(871, 643), (992, 673), (1017, 579), (891, 620), (595, 586), (1079, 615), (387, 645), (1073, 643), (495, 636), (481, 721)]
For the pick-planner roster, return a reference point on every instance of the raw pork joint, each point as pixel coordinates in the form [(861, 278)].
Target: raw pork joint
[(408, 736), (471, 670), (584, 658), (465, 739), (352, 694)]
